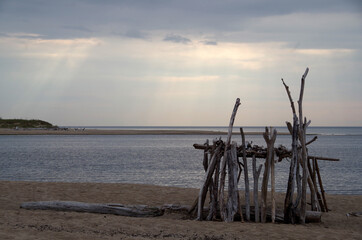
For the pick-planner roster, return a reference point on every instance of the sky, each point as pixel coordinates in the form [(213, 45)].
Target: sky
[(180, 63)]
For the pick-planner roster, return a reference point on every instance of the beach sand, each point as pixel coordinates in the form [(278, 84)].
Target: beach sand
[(16, 223)]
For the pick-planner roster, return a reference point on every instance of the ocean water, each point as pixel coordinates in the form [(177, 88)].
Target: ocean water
[(168, 160)]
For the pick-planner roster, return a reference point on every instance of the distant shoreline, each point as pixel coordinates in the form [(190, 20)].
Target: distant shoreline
[(117, 132)]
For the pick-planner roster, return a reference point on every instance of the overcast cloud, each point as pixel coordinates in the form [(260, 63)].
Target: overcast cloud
[(155, 62)]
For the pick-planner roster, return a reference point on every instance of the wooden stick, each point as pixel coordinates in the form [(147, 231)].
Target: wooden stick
[(256, 174), (216, 186), (321, 186), (323, 158), (207, 180), (302, 133), (272, 176), (264, 186), (264, 192), (194, 205), (205, 163), (233, 196), (298, 180), (246, 177), (224, 160), (289, 206), (313, 192), (311, 141), (289, 96), (314, 177), (289, 209)]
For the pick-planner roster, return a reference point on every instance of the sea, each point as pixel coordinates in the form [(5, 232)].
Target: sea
[(167, 160)]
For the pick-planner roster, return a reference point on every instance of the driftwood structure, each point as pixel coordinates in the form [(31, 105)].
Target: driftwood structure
[(224, 155), (221, 162)]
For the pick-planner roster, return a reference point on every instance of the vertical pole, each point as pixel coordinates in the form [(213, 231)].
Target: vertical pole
[(246, 177), (256, 174)]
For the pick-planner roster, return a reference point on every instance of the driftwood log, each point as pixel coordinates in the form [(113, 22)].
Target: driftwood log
[(117, 209), (135, 210)]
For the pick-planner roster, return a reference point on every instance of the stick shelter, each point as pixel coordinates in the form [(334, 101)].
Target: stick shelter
[(226, 160)]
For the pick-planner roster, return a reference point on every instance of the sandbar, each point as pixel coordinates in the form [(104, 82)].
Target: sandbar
[(117, 132)]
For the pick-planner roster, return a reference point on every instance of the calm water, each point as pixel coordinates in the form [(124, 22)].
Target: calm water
[(163, 160)]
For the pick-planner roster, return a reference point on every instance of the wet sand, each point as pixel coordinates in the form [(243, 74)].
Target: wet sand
[(16, 223)]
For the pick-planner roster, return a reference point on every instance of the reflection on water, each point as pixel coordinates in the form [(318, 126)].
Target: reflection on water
[(159, 160)]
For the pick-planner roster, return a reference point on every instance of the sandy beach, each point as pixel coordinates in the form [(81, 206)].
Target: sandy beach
[(16, 223)]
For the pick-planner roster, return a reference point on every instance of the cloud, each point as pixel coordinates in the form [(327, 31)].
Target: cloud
[(191, 47), (132, 34), (135, 34), (207, 42), (29, 45), (229, 21), (176, 39), (22, 35), (324, 52)]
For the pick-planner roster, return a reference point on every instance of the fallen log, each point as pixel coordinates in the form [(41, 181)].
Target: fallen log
[(117, 209), (140, 210)]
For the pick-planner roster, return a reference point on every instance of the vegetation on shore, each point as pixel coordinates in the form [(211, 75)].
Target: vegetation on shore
[(24, 123)]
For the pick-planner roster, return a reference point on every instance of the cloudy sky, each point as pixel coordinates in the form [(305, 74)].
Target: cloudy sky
[(180, 63)]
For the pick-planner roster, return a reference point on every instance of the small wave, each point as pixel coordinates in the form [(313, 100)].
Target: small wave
[(335, 134), (346, 191)]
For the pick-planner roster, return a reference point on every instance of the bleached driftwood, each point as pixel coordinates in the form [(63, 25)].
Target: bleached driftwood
[(321, 186), (207, 180), (117, 209), (224, 160), (270, 140), (256, 174), (133, 210), (246, 177), (289, 205), (272, 176), (233, 194), (302, 136)]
